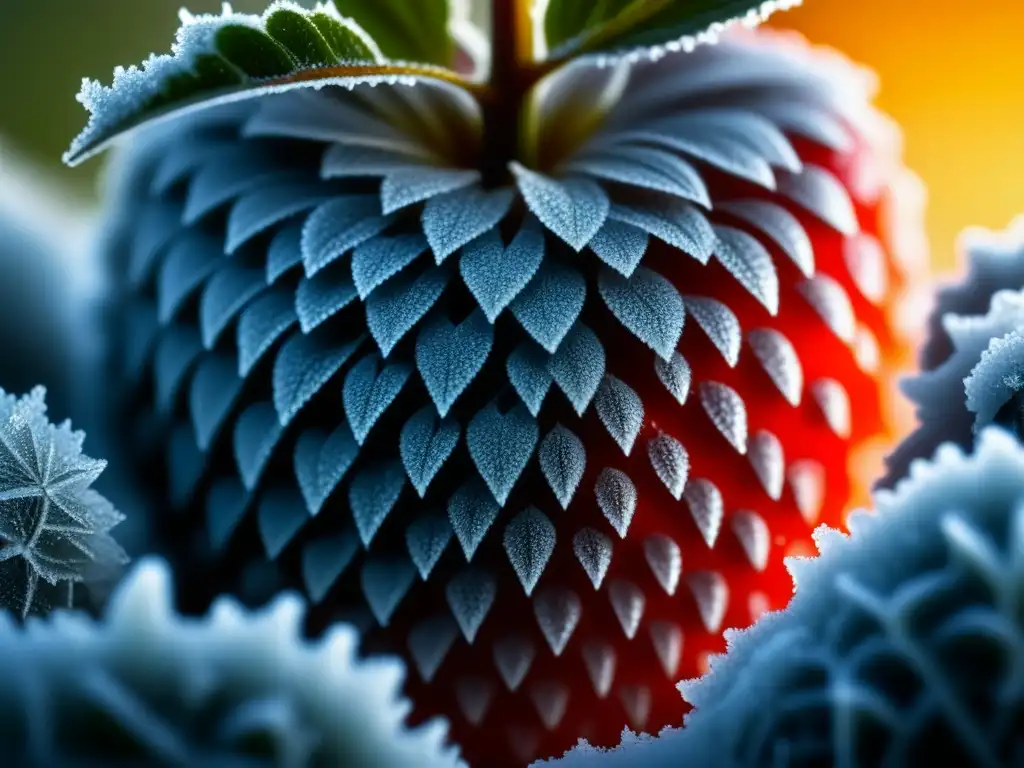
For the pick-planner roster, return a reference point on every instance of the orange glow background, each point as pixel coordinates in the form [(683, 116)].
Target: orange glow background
[(952, 75)]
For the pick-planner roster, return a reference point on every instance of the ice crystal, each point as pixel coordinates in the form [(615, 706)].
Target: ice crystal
[(143, 686), (995, 388), (993, 261), (675, 26), (232, 57), (55, 529), (972, 358)]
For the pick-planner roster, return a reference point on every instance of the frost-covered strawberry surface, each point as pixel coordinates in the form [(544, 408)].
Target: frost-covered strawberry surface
[(537, 380), (899, 648)]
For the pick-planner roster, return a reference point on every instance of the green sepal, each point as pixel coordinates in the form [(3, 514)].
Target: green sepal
[(254, 52), (567, 19), (405, 30), (232, 57), (215, 71), (623, 27), (345, 43), (301, 37), (210, 72)]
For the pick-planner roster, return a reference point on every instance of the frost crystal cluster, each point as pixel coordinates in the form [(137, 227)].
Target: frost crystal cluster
[(411, 335), (994, 261), (146, 687), (54, 529), (901, 646), (974, 358)]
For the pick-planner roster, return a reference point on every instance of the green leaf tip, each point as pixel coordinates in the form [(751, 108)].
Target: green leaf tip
[(638, 29), (218, 59)]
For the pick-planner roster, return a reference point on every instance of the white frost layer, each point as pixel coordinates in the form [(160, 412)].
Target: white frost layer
[(352, 707), (710, 36), (115, 105), (997, 377)]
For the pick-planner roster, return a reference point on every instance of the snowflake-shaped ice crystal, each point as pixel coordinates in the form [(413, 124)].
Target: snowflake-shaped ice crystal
[(54, 527)]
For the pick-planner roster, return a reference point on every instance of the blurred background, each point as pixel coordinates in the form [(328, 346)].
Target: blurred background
[(952, 75)]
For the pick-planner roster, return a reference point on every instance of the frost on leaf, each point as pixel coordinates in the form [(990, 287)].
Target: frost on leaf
[(55, 529), (637, 29), (220, 59)]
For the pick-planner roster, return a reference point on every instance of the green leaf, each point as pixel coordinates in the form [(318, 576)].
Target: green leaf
[(406, 30), (210, 72), (566, 19), (346, 46), (214, 70), (253, 52), (635, 27), (297, 33), (231, 57)]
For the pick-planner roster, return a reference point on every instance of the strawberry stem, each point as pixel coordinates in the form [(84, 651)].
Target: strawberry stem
[(512, 76)]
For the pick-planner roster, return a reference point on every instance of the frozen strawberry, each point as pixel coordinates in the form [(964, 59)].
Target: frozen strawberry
[(536, 382)]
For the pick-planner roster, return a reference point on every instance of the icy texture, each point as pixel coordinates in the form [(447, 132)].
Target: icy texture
[(563, 460), (233, 688), (750, 263), (969, 319), (970, 387), (648, 305), (56, 529), (672, 27), (578, 367), (230, 57), (550, 304), (495, 274), (574, 210), (900, 665), (997, 382), (418, 391), (450, 357), (621, 411), (991, 261)]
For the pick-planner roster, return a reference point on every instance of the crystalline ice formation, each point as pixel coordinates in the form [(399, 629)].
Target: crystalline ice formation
[(995, 388), (900, 646), (143, 686), (51, 301), (448, 409), (976, 381), (994, 261), (54, 528)]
